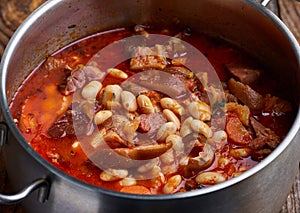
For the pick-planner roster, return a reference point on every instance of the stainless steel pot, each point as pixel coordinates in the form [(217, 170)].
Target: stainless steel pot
[(59, 22)]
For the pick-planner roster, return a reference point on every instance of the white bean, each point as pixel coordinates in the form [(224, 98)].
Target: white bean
[(91, 90), (219, 136), (186, 127), (184, 161), (102, 116), (117, 73), (165, 130), (177, 143), (167, 157), (235, 174), (207, 155), (171, 104), (128, 181), (111, 96), (145, 104), (131, 116), (200, 110), (114, 137), (162, 176), (148, 166), (210, 178), (169, 169), (128, 101), (172, 184), (97, 138), (223, 162), (239, 153), (170, 116), (113, 174), (201, 127), (155, 172), (203, 77)]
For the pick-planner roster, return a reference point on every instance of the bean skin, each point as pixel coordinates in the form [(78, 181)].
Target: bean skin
[(210, 178)]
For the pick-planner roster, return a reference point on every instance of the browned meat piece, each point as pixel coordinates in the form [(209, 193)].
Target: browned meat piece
[(144, 123), (266, 140), (202, 161), (160, 81), (121, 130), (79, 76), (171, 86), (229, 97), (258, 143), (92, 72), (151, 122), (74, 81), (193, 144), (64, 126), (264, 136), (149, 57), (60, 129), (246, 94), (277, 105), (113, 140), (259, 155), (244, 74), (185, 75), (53, 63), (163, 82), (236, 132), (125, 158), (144, 152)]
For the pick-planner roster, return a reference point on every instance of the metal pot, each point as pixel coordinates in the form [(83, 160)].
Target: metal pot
[(58, 22)]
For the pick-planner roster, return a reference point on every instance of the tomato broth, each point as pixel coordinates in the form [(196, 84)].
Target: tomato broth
[(154, 103)]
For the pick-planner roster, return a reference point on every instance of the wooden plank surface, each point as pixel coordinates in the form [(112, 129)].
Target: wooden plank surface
[(289, 12), (13, 12)]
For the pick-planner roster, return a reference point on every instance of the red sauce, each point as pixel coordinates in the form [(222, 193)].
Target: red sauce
[(38, 104)]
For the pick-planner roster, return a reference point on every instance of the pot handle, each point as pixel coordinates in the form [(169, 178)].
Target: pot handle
[(3, 133), (41, 184), (265, 2)]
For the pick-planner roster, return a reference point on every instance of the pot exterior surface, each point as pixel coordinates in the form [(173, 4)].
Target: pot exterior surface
[(261, 189), (263, 192)]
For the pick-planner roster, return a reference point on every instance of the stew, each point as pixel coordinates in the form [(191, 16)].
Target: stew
[(152, 111)]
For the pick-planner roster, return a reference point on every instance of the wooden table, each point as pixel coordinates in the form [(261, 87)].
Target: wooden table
[(13, 12)]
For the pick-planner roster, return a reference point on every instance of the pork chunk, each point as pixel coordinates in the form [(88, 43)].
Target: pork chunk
[(149, 57), (244, 74), (246, 94)]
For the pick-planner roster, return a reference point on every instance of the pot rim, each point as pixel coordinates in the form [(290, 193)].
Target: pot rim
[(48, 5)]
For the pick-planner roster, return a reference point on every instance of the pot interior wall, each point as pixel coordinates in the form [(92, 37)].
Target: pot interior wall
[(237, 21)]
